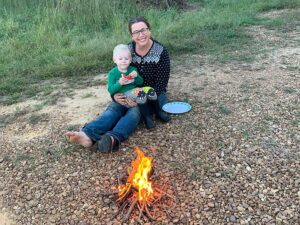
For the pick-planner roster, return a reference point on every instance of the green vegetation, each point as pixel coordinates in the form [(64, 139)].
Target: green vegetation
[(35, 118), (42, 40), (224, 109)]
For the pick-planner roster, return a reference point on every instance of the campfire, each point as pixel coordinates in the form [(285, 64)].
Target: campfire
[(138, 179), (136, 192)]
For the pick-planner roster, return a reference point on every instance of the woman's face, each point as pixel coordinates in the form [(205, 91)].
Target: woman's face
[(140, 34)]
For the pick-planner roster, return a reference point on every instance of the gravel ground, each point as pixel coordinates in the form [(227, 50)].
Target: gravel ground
[(233, 159)]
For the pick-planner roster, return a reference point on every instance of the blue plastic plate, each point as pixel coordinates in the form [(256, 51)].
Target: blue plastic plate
[(177, 107)]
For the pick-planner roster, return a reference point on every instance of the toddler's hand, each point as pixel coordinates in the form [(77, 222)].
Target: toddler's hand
[(133, 74), (122, 80)]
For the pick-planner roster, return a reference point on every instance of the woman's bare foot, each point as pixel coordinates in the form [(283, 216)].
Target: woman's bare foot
[(79, 138)]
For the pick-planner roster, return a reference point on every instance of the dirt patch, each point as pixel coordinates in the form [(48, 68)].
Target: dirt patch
[(84, 105), (5, 219)]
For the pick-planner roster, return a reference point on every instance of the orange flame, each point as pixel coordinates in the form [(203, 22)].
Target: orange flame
[(138, 177)]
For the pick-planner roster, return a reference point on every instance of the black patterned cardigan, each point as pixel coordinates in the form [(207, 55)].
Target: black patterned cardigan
[(154, 67)]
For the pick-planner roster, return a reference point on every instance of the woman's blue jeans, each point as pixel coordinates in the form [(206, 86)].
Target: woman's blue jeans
[(162, 99), (117, 121)]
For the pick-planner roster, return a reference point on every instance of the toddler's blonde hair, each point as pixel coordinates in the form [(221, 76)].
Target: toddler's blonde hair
[(121, 48)]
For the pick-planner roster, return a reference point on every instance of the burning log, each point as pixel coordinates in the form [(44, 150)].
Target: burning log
[(137, 191)]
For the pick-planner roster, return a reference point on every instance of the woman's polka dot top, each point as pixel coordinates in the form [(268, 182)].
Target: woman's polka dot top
[(154, 67)]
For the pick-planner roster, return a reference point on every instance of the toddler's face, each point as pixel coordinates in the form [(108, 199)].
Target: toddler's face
[(123, 60)]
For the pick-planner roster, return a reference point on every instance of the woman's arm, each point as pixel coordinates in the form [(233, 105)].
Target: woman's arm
[(163, 72)]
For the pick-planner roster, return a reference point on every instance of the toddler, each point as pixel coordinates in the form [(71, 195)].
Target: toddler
[(125, 79)]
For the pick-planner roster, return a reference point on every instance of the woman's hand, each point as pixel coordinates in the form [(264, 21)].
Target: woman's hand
[(120, 98), (130, 102)]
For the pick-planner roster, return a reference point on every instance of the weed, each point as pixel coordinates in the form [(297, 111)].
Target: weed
[(55, 97), (24, 157), (6, 158), (269, 118), (219, 144), (205, 83), (247, 87), (61, 150), (47, 91), (38, 107), (228, 173), (197, 89), (194, 176), (292, 133), (292, 68), (261, 78), (20, 111), (176, 165), (103, 82), (197, 126), (224, 109), (72, 127), (36, 118), (262, 126), (268, 143), (277, 23), (208, 104), (207, 168), (295, 123), (87, 95), (289, 90), (246, 134)]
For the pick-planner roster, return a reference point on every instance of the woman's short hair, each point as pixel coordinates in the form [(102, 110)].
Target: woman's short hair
[(121, 48), (137, 19)]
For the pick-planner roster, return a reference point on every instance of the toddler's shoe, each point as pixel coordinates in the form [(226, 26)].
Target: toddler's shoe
[(151, 94), (141, 97)]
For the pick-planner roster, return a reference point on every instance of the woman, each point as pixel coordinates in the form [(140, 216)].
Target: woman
[(117, 123)]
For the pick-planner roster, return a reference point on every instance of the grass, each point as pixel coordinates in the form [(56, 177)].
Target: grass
[(56, 152), (46, 40), (20, 111), (268, 143), (23, 159), (35, 118), (87, 95)]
